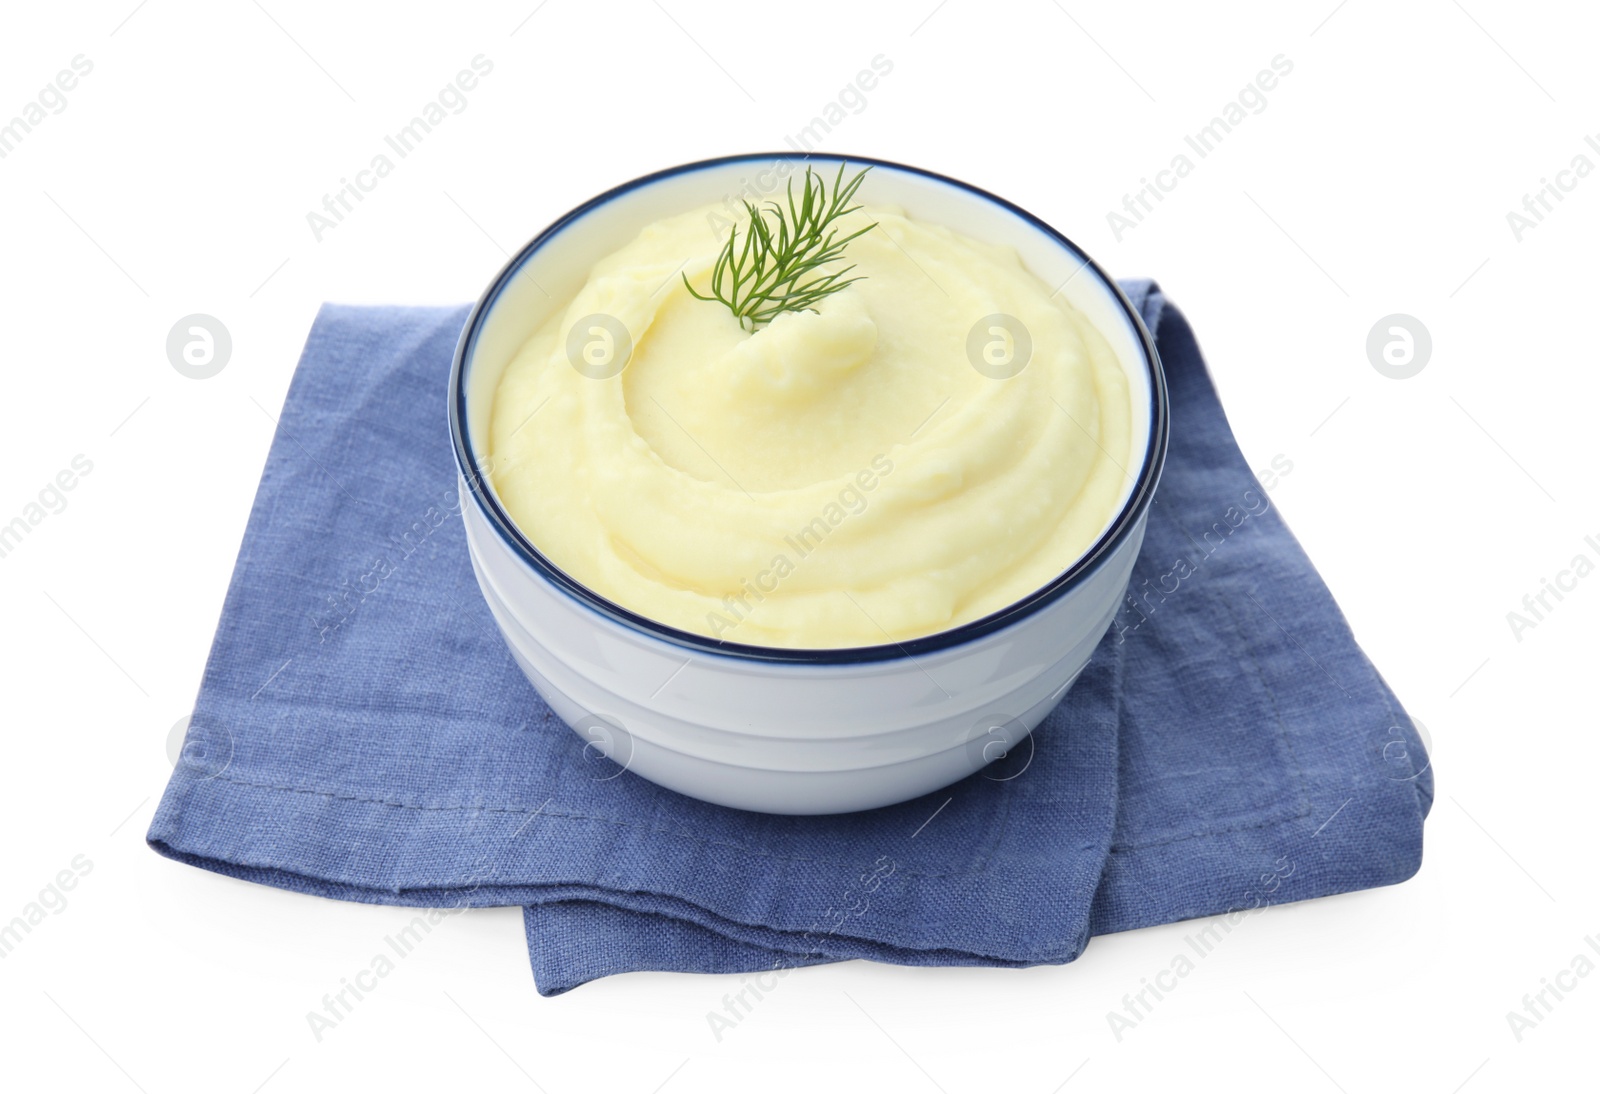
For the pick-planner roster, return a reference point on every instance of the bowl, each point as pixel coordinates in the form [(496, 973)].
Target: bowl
[(780, 730)]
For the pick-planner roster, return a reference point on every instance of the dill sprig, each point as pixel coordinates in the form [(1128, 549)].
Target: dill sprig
[(769, 274)]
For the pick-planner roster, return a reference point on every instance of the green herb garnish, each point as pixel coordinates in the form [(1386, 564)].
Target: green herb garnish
[(766, 276)]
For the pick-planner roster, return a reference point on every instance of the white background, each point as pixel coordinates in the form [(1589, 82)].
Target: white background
[(1378, 180)]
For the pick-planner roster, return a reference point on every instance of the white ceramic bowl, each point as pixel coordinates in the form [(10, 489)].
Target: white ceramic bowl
[(791, 730)]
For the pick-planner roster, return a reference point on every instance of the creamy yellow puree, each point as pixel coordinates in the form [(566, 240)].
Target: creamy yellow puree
[(844, 477)]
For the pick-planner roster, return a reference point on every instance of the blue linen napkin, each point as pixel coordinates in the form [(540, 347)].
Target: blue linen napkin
[(362, 733)]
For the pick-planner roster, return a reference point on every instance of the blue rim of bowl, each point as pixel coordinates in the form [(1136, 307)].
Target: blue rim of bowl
[(1113, 537)]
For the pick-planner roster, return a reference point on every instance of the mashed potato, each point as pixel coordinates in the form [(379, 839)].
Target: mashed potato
[(931, 444)]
